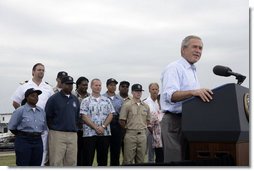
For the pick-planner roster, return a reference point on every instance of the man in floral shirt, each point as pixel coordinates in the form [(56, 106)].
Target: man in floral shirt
[(96, 111)]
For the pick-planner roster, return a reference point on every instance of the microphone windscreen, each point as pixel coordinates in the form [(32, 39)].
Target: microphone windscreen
[(222, 70)]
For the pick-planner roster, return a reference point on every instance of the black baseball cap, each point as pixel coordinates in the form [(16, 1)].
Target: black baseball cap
[(111, 80), (124, 83), (28, 92), (62, 74), (32, 90), (67, 80), (136, 87)]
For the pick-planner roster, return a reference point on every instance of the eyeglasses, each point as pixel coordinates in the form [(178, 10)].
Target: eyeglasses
[(125, 86)]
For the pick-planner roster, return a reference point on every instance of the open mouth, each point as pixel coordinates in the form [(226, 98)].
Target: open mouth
[(196, 55)]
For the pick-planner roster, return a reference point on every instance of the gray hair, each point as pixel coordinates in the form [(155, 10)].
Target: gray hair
[(95, 79), (153, 84), (186, 40)]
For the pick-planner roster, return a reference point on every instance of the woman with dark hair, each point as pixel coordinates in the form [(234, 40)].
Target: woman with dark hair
[(81, 93)]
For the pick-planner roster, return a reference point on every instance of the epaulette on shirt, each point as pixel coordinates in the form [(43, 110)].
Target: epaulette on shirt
[(21, 83), (144, 99), (48, 84)]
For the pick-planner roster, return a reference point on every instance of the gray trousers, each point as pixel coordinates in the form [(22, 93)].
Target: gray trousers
[(150, 150), (171, 137)]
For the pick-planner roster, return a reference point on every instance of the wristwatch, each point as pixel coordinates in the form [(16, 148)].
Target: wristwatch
[(103, 126)]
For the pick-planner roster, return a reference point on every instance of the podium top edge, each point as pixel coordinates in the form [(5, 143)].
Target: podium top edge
[(218, 88)]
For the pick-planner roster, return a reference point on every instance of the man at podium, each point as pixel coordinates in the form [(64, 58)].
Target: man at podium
[(179, 82)]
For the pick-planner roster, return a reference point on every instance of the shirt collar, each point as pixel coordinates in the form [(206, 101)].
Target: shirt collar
[(186, 64), (95, 98), (78, 95), (107, 95), (129, 97), (150, 98), (64, 95), (43, 83), (28, 107), (133, 102), (117, 96)]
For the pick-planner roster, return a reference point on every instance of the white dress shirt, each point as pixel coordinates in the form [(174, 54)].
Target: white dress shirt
[(177, 76), (156, 114), (46, 89)]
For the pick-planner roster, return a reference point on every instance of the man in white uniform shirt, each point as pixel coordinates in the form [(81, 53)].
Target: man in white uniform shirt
[(37, 83), (179, 82)]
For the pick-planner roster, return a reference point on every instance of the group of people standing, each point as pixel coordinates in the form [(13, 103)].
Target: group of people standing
[(65, 127)]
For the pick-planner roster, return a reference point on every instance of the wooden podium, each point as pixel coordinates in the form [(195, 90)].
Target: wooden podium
[(220, 127)]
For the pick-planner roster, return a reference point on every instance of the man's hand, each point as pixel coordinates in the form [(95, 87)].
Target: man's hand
[(99, 130), (204, 93), (122, 123), (150, 129)]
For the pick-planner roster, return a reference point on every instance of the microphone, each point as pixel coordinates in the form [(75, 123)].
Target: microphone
[(222, 71), (226, 72)]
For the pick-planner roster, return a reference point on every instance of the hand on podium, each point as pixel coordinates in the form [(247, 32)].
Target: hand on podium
[(204, 93)]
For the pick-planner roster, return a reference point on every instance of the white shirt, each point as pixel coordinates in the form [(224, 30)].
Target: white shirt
[(155, 112), (177, 76), (46, 89)]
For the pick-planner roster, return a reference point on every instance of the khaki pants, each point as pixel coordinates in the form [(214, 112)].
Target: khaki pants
[(62, 148), (134, 146)]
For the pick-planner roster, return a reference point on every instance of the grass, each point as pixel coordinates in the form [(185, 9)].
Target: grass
[(8, 160)]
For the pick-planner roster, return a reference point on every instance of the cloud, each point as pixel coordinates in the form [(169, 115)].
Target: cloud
[(127, 40)]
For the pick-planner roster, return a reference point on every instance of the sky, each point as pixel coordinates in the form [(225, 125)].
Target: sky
[(130, 40)]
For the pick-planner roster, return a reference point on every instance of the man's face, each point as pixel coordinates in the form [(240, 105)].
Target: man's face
[(124, 89), (192, 53), (154, 90), (111, 87), (96, 86), (67, 88), (39, 71), (137, 94)]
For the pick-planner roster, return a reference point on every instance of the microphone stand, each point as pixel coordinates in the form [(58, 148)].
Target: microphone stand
[(240, 78)]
